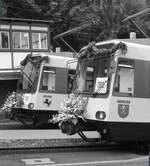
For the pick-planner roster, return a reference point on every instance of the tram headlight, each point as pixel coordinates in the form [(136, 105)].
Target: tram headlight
[(31, 105), (100, 115)]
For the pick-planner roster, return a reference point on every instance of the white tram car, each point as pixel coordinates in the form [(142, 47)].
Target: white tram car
[(117, 85), (45, 82)]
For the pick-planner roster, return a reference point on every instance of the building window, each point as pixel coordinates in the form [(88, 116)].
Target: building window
[(20, 40), (39, 40), (4, 40)]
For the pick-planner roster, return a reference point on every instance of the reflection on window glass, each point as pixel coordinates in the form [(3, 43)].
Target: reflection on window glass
[(25, 40), (39, 40), (16, 39), (35, 41), (20, 40), (43, 40), (4, 39), (48, 79)]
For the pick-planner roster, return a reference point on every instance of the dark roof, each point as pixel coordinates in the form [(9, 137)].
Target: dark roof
[(25, 20)]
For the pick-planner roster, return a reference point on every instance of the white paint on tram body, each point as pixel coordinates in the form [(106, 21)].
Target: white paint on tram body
[(38, 161), (145, 158)]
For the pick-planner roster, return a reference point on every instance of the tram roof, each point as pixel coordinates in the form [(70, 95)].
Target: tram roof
[(52, 55), (142, 41), (59, 61), (136, 48)]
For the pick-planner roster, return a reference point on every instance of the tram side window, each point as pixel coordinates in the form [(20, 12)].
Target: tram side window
[(39, 40), (124, 80), (4, 40), (142, 79), (48, 79), (70, 80), (89, 79), (20, 40)]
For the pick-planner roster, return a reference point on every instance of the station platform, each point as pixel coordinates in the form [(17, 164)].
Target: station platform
[(42, 138), (42, 134)]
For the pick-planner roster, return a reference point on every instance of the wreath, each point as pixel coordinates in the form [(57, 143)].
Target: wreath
[(71, 111), (12, 101), (9, 103), (92, 50)]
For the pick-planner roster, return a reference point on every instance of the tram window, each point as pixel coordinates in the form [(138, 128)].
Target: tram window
[(142, 79), (4, 40), (48, 79), (70, 80), (39, 40), (89, 79), (20, 40), (124, 80)]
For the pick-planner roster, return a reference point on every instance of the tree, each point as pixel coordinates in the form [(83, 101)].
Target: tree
[(103, 17)]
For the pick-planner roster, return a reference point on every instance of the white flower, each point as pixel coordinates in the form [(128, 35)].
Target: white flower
[(71, 109), (9, 103)]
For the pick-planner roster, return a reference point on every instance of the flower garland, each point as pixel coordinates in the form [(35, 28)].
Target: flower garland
[(9, 103), (92, 50), (34, 60), (71, 110)]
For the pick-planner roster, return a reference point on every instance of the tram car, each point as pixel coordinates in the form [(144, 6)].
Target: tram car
[(114, 77), (46, 80)]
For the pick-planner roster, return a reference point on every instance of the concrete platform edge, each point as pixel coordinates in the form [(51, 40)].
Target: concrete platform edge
[(42, 143)]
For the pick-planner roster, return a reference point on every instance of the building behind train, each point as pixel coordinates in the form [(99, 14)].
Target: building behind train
[(18, 38)]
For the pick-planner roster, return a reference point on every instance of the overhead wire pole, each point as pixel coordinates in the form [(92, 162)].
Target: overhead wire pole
[(69, 32), (68, 45), (139, 14), (143, 12), (138, 27)]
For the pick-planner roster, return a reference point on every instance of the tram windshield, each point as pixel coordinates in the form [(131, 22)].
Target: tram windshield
[(30, 74), (93, 76)]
